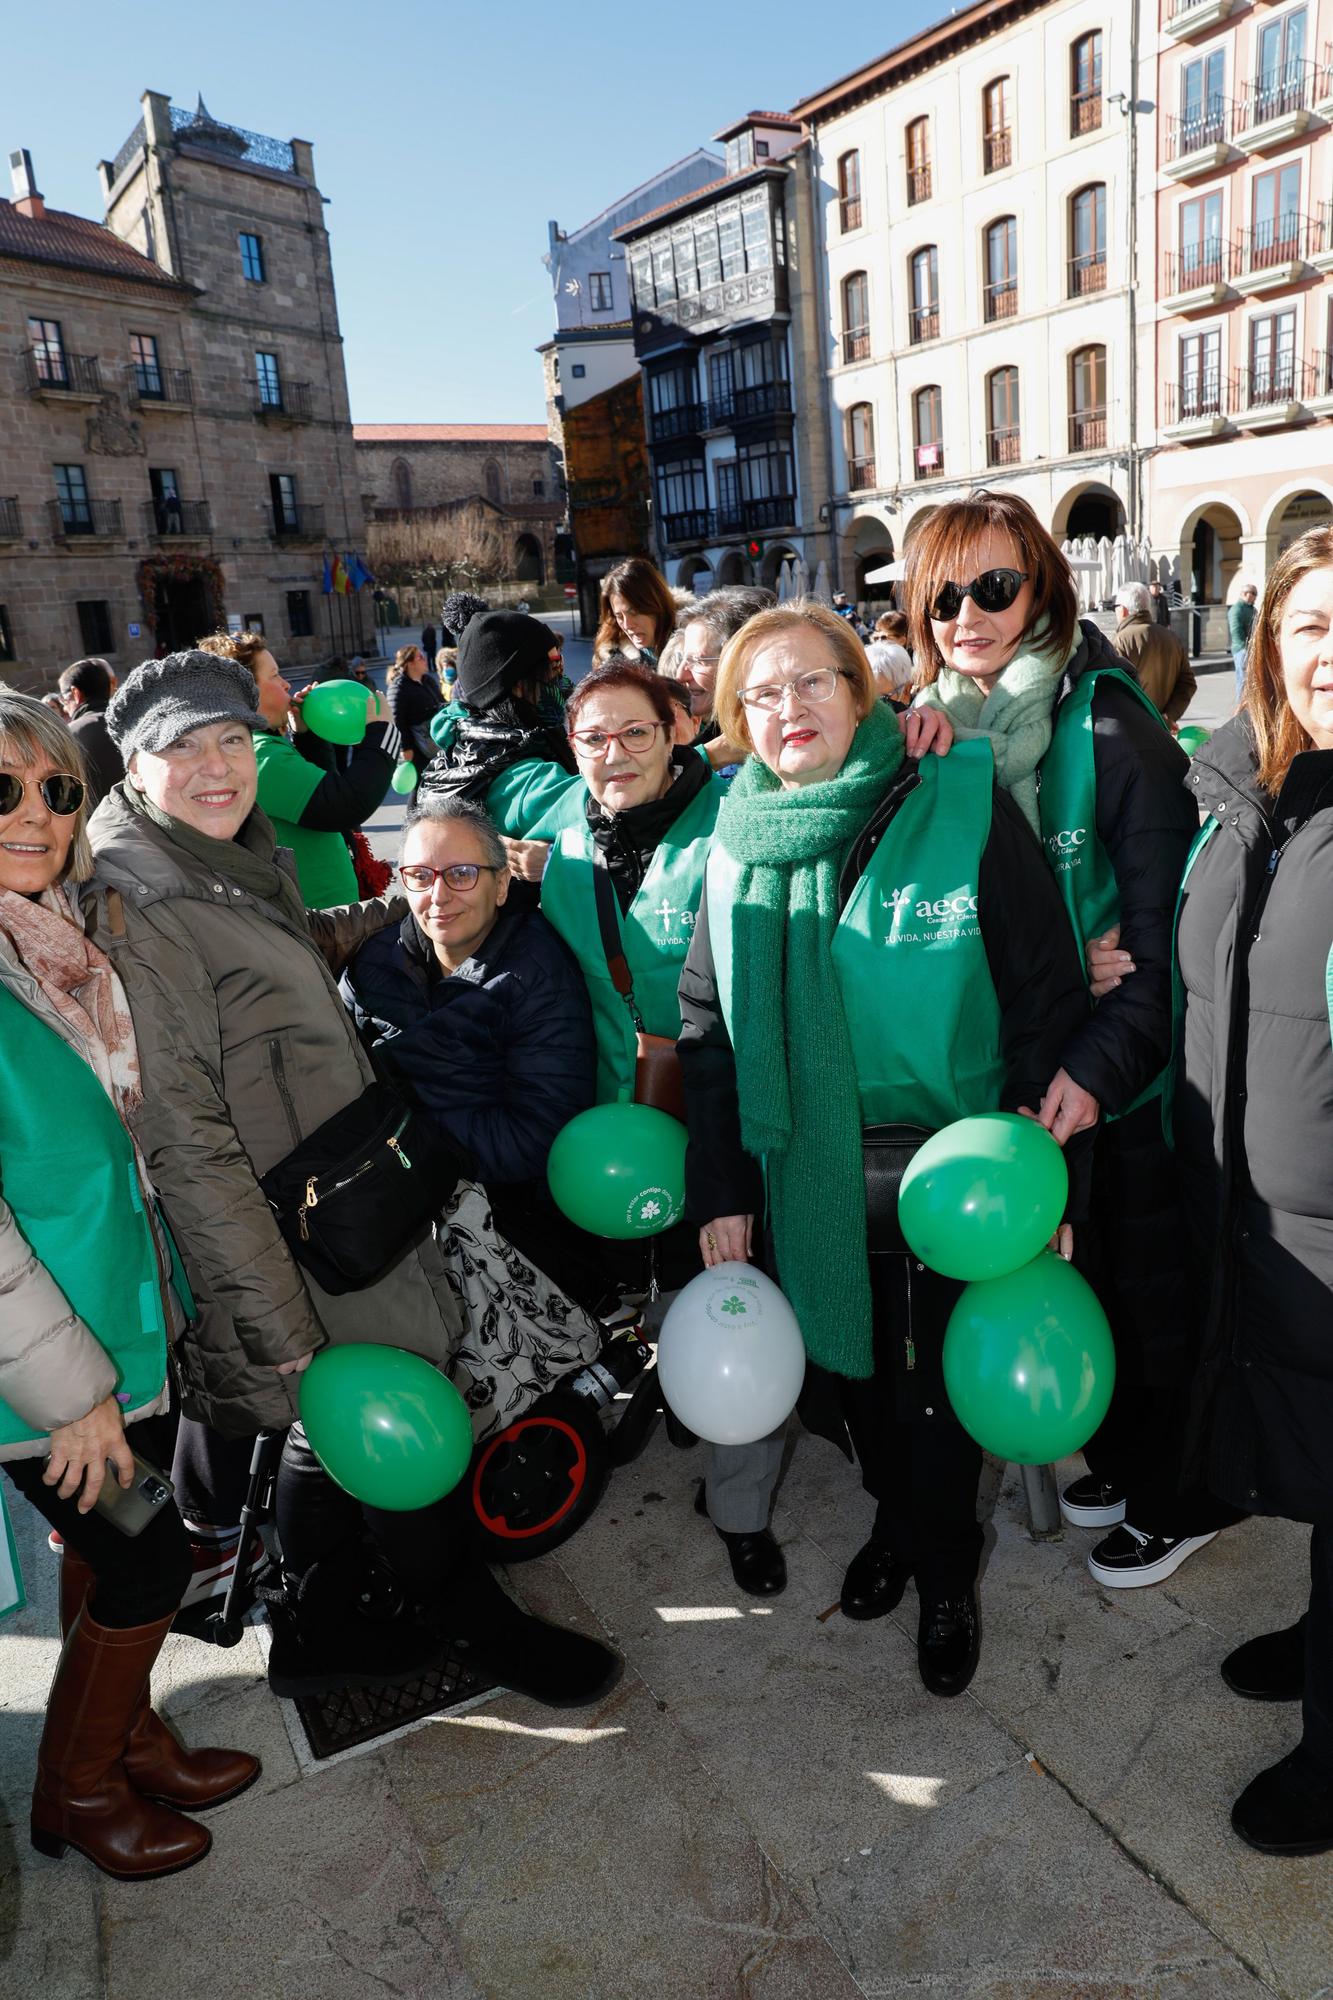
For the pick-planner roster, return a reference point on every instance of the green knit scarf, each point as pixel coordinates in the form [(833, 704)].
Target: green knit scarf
[(800, 1108), (1018, 716)]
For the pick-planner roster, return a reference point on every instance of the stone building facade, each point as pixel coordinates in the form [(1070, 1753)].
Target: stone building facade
[(506, 469), (174, 406)]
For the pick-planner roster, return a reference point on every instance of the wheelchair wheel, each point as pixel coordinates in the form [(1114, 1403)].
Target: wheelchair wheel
[(536, 1482)]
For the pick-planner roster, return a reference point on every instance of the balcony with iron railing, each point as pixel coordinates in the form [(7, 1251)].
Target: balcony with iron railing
[(1000, 299), (174, 519), (1195, 276), (918, 185), (761, 399), (1186, 18), (1085, 112), (1087, 429), (1198, 403), (61, 374), (776, 510), (1274, 392), (1004, 445), (288, 402), (923, 323), (1197, 143), (860, 473), (997, 150), (856, 344), (1275, 253), (299, 524), (1276, 106), (11, 519), (928, 461), (683, 420), (101, 520), (1086, 273), (696, 524), (160, 388), (1323, 368)]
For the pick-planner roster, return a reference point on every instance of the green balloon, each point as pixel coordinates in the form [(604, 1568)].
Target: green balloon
[(1029, 1363), (619, 1170), (391, 1429), (1192, 738), (337, 711), (404, 778), (983, 1196)]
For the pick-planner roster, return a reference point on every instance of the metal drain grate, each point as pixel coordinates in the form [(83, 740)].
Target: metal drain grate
[(352, 1716)]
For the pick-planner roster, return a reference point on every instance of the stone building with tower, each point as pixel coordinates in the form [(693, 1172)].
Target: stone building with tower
[(504, 470), (178, 445)]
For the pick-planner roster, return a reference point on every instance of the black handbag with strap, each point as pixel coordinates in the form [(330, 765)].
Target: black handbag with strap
[(365, 1186), (657, 1076), (886, 1153)]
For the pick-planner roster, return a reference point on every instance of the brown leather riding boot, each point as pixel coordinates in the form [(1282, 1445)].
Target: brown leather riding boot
[(156, 1762), (83, 1798)]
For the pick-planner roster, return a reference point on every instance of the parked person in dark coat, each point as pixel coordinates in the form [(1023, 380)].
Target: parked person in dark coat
[(1252, 1124), (1116, 823), (1161, 603), (804, 965), (86, 688), (476, 1008), (428, 641), (1157, 658), (414, 702)]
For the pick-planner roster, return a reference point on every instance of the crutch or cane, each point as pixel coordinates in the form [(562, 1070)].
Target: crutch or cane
[(224, 1627)]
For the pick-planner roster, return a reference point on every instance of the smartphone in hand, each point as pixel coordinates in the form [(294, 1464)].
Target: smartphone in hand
[(130, 1508)]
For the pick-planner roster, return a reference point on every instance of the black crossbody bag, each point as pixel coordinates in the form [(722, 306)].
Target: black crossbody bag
[(362, 1189), (886, 1153)]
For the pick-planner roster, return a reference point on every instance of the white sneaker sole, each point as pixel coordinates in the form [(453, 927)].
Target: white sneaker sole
[(1093, 1517), (1144, 1574)]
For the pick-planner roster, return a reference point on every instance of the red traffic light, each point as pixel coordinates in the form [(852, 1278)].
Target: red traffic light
[(754, 550)]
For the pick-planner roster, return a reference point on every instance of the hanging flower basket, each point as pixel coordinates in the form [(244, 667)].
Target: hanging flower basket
[(157, 570)]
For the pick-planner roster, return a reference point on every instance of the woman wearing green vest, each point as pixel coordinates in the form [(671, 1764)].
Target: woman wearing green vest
[(313, 804), (1084, 752), (879, 952), (84, 1271), (625, 877)]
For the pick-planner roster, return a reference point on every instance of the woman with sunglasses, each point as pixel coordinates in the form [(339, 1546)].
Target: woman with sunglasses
[(89, 1309), (879, 951), (246, 1050), (1081, 748)]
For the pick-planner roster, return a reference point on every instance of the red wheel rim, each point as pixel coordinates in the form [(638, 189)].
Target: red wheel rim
[(495, 1524)]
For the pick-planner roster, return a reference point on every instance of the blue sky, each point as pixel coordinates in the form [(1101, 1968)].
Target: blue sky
[(445, 136)]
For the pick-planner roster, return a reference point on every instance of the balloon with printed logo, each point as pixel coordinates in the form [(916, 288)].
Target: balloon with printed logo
[(337, 711), (730, 1358), (983, 1196), (1192, 738), (390, 1429), (1029, 1363), (404, 779), (619, 1170)]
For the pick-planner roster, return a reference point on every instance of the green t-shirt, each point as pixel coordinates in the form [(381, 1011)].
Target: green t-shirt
[(287, 783), (1240, 617)]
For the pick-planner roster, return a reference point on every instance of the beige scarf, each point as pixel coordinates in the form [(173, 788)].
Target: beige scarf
[(79, 981)]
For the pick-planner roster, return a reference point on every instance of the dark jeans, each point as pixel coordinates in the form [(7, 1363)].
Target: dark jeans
[(1317, 1706), (138, 1578), (318, 1520), (1136, 1450)]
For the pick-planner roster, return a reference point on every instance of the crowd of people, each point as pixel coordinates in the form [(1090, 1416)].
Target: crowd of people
[(816, 896)]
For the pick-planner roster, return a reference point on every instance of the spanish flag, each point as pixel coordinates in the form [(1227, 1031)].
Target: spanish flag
[(340, 578)]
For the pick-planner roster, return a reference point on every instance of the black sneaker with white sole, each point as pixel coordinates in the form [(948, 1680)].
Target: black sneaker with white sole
[(1128, 1560), (1092, 1503)]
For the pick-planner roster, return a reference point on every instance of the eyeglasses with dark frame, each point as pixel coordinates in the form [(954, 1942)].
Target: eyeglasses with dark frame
[(636, 737), (821, 685), (458, 875), (61, 793), (994, 590)]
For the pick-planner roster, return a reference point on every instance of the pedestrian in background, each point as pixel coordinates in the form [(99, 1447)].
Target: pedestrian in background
[(414, 701), (1240, 623), (1156, 656), (86, 688), (1161, 603), (428, 641)]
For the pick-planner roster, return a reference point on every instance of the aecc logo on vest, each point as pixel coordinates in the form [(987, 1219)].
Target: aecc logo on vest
[(1064, 847), (939, 919)]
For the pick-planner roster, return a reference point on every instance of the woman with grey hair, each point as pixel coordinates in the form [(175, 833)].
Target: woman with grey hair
[(246, 1050), (83, 1337)]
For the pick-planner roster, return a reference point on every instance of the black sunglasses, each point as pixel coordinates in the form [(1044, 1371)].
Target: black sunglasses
[(61, 793), (993, 590)]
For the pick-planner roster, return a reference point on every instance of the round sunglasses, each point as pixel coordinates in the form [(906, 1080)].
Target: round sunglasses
[(60, 793), (993, 590)]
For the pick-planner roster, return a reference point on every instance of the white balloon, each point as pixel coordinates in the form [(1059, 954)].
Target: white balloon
[(730, 1356)]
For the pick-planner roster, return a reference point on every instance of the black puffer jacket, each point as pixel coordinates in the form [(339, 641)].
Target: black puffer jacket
[(1253, 1114), (1146, 820), (474, 749)]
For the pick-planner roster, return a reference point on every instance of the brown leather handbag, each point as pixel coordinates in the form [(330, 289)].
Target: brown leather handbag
[(657, 1075)]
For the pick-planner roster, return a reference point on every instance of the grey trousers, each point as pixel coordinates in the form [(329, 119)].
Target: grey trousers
[(739, 1478)]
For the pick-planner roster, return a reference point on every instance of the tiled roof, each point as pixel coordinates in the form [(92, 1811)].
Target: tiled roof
[(449, 433), (78, 244), (783, 118)]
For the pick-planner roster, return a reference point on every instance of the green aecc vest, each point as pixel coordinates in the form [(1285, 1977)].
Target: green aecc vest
[(908, 953), (69, 1177), (1067, 807), (655, 933)]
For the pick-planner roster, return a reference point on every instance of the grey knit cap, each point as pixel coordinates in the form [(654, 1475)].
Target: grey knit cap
[(163, 700)]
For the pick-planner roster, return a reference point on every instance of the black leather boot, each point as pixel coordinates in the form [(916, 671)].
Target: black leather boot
[(757, 1563), (1269, 1668), (948, 1642)]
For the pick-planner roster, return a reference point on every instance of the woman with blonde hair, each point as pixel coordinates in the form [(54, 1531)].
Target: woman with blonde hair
[(878, 952)]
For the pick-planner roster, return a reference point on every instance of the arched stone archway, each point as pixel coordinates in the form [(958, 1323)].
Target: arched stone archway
[(771, 567), (693, 574), (915, 523), (866, 543), (1210, 551), (529, 564), (733, 567), (1291, 514), (1091, 508)]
